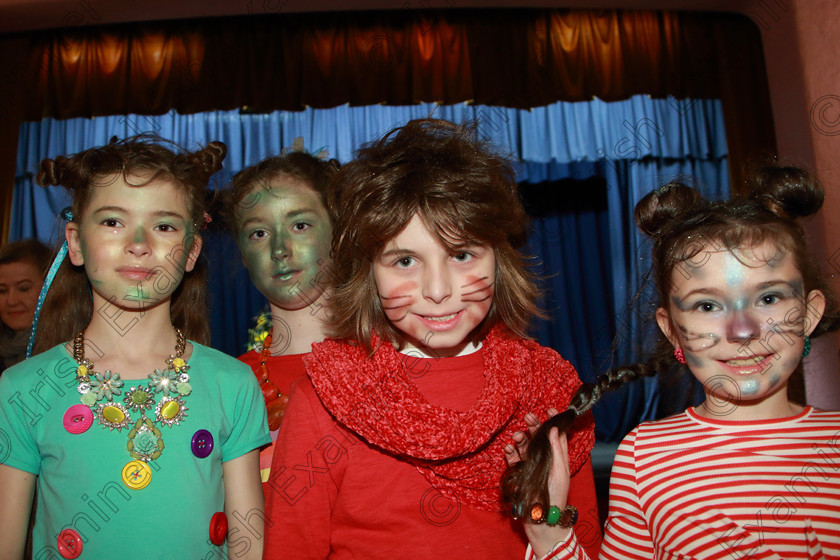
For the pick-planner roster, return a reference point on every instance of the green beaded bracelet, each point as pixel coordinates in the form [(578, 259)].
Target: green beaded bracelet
[(553, 516)]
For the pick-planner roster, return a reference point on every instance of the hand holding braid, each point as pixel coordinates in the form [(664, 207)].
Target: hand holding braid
[(526, 482)]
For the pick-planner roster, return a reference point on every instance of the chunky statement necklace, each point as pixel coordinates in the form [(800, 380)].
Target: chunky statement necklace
[(275, 401), (160, 402)]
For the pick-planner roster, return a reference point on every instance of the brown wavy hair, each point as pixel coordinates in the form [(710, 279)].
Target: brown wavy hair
[(68, 307), (248, 183), (462, 190), (26, 250), (675, 216)]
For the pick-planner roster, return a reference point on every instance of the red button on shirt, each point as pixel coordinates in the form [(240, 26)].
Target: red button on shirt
[(69, 544), (218, 528)]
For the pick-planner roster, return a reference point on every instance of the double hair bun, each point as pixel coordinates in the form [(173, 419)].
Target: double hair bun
[(789, 192)]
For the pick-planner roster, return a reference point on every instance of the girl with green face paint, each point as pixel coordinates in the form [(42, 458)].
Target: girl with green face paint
[(284, 237), (283, 229), (129, 394)]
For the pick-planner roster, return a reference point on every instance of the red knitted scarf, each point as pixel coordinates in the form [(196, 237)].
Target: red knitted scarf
[(460, 453)]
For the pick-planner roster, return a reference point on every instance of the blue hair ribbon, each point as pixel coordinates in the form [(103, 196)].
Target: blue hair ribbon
[(56, 264)]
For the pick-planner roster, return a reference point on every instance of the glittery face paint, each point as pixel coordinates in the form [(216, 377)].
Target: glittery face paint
[(740, 317), (284, 234), (733, 273), (434, 296), (135, 242), (750, 387), (696, 341)]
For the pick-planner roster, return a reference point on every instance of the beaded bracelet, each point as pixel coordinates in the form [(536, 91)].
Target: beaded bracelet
[(552, 516)]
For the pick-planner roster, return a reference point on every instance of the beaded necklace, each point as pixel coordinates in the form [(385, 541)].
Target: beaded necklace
[(163, 393), (275, 401)]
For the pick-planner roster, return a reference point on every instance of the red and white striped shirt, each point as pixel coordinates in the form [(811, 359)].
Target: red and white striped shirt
[(693, 487)]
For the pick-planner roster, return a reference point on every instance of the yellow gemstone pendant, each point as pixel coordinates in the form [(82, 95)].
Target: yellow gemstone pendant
[(113, 416), (170, 410)]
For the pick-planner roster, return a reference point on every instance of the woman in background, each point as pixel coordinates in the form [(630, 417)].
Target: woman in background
[(22, 267)]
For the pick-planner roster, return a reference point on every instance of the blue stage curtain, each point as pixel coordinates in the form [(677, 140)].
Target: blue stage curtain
[(582, 167)]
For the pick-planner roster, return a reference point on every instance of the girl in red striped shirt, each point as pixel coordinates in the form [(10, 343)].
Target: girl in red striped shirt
[(749, 473)]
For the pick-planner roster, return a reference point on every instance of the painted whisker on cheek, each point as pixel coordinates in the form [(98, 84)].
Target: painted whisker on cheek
[(695, 342), (796, 329), (393, 307), (795, 322), (476, 297), (396, 306), (389, 298), (396, 313), (478, 293), (485, 279)]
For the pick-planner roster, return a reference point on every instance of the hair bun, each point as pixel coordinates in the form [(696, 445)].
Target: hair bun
[(50, 172), (206, 161), (211, 157), (659, 208), (787, 191)]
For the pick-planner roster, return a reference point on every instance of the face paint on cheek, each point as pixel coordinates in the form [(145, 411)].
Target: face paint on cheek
[(749, 387), (396, 301), (693, 361), (695, 342), (477, 289), (774, 380), (790, 364), (310, 252), (254, 258), (795, 322), (137, 293)]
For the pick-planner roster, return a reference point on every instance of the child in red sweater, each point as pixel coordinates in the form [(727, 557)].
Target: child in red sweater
[(394, 444)]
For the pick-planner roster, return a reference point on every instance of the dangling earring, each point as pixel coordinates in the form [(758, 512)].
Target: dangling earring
[(678, 354), (807, 348)]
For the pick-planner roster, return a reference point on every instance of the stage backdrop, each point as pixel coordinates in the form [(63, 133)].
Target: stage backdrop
[(581, 166)]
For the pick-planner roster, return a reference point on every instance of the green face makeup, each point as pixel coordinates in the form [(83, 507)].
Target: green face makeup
[(284, 234), (135, 243)]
